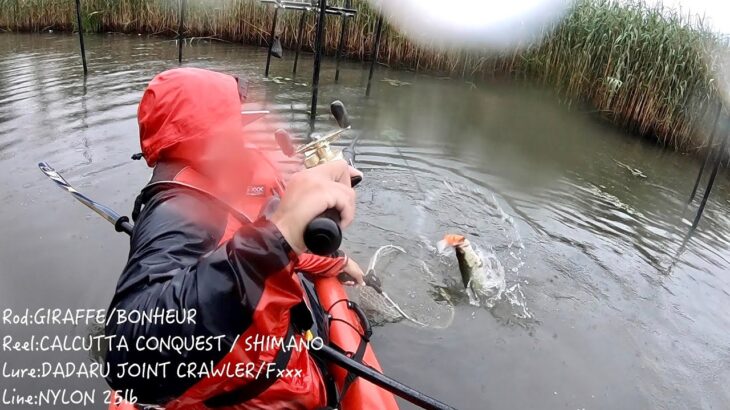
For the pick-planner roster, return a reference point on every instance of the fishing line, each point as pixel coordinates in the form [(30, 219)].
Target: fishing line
[(408, 167), (419, 188)]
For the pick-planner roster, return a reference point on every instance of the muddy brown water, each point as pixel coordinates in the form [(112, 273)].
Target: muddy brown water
[(587, 243)]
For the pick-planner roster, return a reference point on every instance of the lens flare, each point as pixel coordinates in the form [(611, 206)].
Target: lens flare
[(481, 24)]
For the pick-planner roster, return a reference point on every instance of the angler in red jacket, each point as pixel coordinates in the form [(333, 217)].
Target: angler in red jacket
[(197, 247)]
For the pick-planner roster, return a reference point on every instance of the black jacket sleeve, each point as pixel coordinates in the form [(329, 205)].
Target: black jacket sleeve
[(176, 263)]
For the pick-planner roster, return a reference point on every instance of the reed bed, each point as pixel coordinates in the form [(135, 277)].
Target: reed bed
[(646, 69)]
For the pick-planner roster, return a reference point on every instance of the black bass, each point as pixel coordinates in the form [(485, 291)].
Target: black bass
[(483, 278)]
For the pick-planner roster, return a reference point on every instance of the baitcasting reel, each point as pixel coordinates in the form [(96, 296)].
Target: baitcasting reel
[(319, 150), (322, 235)]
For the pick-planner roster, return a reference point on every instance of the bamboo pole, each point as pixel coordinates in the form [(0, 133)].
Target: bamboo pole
[(376, 49), (317, 58), (271, 40), (706, 159), (180, 28), (81, 37), (710, 183), (343, 33), (300, 33)]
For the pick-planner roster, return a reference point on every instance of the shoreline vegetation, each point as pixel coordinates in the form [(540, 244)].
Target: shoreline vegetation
[(646, 69)]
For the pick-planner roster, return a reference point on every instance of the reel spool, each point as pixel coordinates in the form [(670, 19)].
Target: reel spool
[(319, 151)]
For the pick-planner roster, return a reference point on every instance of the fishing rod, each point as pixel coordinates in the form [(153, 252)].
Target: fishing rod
[(122, 224), (323, 235), (421, 400)]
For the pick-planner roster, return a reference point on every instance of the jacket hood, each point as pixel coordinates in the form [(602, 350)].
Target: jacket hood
[(188, 106)]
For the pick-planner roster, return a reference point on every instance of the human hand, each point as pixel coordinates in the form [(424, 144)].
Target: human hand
[(355, 275), (311, 192)]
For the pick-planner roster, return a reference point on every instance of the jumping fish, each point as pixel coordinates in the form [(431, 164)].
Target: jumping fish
[(483, 278)]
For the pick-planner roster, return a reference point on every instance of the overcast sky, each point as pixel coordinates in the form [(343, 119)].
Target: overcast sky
[(716, 11)]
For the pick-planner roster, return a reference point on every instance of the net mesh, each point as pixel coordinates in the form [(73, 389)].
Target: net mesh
[(420, 303)]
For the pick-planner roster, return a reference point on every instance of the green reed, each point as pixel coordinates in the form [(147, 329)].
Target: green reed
[(646, 69)]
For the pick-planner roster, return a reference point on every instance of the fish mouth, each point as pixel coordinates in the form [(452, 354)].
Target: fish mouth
[(450, 241)]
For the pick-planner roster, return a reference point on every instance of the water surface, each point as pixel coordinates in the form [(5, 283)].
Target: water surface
[(596, 319)]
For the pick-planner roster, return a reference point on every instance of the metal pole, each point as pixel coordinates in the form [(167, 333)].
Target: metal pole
[(343, 33), (271, 40), (317, 58), (710, 183), (378, 33), (707, 156), (180, 28), (300, 33), (81, 36)]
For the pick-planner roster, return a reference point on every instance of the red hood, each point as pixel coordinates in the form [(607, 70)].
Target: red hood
[(183, 106)]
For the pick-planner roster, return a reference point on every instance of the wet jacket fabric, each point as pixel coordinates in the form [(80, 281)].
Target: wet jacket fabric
[(187, 104), (238, 288), (265, 184), (192, 252)]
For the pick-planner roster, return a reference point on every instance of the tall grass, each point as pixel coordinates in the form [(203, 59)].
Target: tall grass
[(646, 69), (649, 70)]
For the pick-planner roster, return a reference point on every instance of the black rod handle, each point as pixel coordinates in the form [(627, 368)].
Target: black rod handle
[(323, 235)]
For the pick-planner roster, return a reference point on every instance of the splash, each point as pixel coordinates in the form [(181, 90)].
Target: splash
[(511, 295), (413, 208), (495, 290)]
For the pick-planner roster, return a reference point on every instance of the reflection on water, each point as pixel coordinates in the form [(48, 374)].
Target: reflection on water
[(584, 221)]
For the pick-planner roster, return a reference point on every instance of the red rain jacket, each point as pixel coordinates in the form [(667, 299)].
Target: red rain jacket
[(190, 251)]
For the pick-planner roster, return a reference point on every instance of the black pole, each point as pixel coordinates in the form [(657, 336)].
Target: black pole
[(300, 33), (331, 355), (271, 40), (81, 36), (180, 29), (376, 49), (343, 33), (317, 58), (706, 159), (710, 183)]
